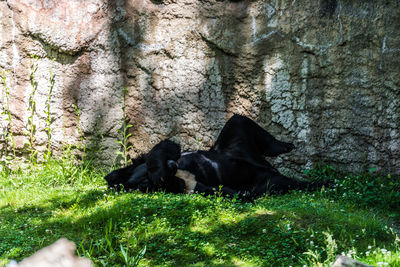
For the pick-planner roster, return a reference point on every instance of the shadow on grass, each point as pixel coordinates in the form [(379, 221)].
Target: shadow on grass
[(185, 229)]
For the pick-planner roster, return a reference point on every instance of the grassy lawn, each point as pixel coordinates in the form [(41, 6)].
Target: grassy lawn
[(358, 217)]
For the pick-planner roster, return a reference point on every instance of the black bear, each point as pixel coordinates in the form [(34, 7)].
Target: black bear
[(235, 165), (150, 172)]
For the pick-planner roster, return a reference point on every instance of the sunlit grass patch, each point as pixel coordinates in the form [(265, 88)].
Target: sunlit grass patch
[(47, 202)]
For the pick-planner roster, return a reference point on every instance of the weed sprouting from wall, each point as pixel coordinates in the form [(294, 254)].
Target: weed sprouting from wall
[(8, 134), (47, 110), (124, 131), (31, 126), (86, 148)]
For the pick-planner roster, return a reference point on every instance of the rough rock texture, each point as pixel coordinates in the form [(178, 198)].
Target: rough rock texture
[(59, 254), (343, 261), (322, 73)]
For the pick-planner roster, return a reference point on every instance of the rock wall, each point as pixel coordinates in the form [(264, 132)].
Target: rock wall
[(324, 74)]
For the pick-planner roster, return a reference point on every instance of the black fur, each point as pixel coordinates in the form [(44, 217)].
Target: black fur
[(160, 161), (244, 139), (235, 165), (120, 178)]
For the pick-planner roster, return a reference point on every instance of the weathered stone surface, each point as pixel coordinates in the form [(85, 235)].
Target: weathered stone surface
[(59, 254), (321, 73), (343, 261)]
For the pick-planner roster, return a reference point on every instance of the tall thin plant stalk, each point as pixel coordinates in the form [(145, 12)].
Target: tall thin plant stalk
[(8, 135), (48, 109), (31, 126), (124, 131)]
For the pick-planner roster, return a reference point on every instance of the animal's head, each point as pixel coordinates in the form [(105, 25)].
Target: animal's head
[(131, 177), (161, 161)]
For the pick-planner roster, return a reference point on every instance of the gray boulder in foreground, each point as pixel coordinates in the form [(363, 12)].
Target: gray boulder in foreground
[(343, 261), (59, 254)]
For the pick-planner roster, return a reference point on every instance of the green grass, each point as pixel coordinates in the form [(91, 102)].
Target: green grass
[(358, 217)]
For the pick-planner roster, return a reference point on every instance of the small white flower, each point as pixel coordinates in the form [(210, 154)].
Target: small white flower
[(367, 253), (264, 231), (369, 247)]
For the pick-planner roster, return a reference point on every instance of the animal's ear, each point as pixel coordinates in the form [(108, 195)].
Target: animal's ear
[(172, 164)]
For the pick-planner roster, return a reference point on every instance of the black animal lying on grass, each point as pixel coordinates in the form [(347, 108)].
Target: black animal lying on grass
[(235, 165)]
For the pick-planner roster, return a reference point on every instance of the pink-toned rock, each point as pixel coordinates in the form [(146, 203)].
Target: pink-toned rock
[(323, 74), (69, 26), (59, 254)]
